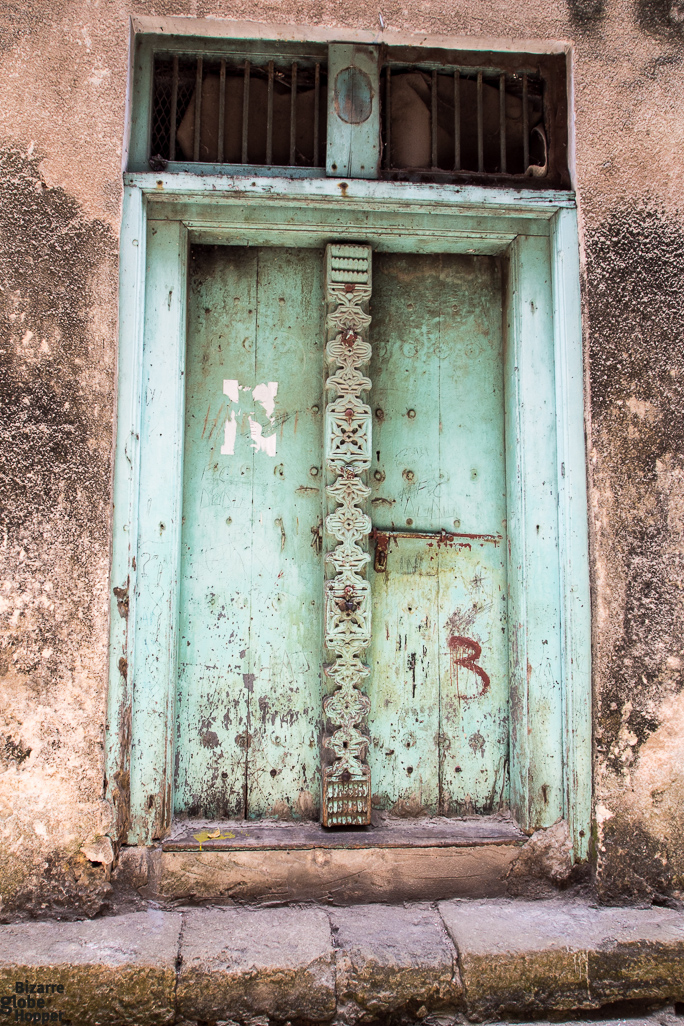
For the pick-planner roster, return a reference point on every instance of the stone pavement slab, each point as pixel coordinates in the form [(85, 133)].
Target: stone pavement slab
[(113, 970), (392, 959), (526, 957), (238, 963), (436, 965)]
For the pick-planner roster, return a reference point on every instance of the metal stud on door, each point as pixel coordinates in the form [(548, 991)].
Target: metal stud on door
[(346, 782)]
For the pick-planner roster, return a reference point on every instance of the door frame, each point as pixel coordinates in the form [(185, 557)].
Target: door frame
[(548, 566)]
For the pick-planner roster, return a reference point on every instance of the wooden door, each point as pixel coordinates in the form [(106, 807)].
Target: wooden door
[(249, 721), (439, 656), (250, 633)]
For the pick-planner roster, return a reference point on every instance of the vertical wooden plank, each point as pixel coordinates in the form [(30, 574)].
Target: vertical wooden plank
[(141, 106), (474, 694), (161, 448), (439, 715), (249, 691), (353, 111), (573, 529), (286, 643), (216, 553), (132, 247), (534, 597), (404, 478)]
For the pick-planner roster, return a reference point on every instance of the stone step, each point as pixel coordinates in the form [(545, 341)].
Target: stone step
[(391, 861), (432, 963)]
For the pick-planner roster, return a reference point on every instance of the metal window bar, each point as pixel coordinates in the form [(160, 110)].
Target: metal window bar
[(173, 117), (502, 124), (245, 112), (198, 107), (221, 113), (482, 136), (269, 114), (293, 114), (317, 111), (433, 119), (198, 93), (526, 125), (388, 117), (457, 120), (480, 125)]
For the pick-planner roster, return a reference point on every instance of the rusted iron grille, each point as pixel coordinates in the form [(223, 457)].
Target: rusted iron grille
[(239, 111), (451, 121)]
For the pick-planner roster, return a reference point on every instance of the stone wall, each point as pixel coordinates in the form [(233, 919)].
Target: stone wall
[(64, 69)]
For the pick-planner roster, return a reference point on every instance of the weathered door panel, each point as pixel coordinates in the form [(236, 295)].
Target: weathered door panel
[(439, 682), (286, 593), (250, 622), (251, 640)]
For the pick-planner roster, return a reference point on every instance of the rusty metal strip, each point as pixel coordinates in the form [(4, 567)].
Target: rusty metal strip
[(480, 124), (198, 109), (457, 121), (245, 112), (269, 115), (346, 781), (222, 112), (433, 120), (388, 117), (502, 123), (174, 109), (526, 125), (317, 112), (293, 114)]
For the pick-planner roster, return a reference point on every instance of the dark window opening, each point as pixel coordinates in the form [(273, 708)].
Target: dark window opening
[(485, 118), (442, 115), (253, 112), (454, 122)]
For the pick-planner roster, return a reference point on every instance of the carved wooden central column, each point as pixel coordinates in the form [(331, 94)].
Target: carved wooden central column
[(346, 781)]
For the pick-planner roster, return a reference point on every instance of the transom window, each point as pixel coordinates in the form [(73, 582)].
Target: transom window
[(433, 115)]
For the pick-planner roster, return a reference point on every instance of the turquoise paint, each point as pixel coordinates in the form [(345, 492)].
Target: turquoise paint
[(537, 797), (429, 199), (353, 111), (572, 530), (439, 726), (437, 213), (132, 250), (158, 533), (250, 636)]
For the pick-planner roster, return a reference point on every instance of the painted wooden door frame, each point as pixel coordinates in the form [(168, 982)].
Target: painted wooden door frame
[(549, 610)]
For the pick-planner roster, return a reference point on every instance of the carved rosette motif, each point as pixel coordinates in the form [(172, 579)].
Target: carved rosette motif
[(346, 781)]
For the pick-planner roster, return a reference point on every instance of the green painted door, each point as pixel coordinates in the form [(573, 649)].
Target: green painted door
[(249, 704), (250, 633), (439, 657)]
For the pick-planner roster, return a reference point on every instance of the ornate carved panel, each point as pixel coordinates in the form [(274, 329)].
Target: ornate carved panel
[(346, 780)]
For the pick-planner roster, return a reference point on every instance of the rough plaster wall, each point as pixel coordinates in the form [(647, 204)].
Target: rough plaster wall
[(63, 68)]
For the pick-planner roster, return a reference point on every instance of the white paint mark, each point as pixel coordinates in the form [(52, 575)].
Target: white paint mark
[(231, 388), (230, 431), (265, 395), (265, 444)]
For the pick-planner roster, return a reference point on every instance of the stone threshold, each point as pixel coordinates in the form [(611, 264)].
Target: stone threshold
[(441, 963), (390, 861), (260, 835)]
